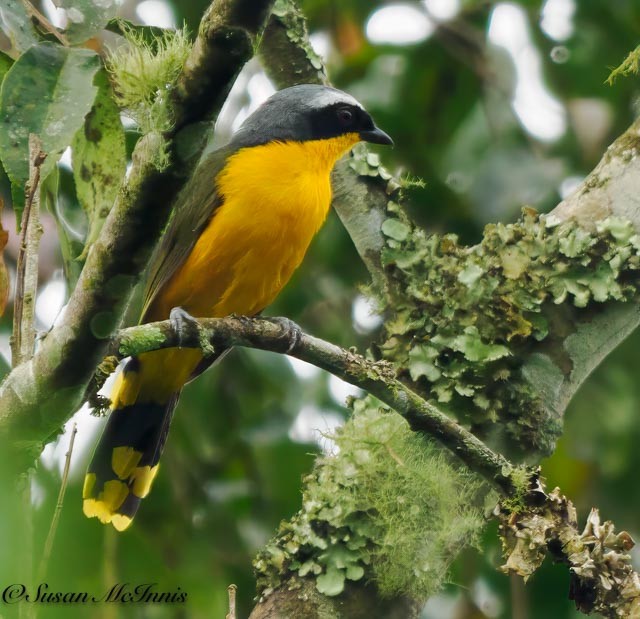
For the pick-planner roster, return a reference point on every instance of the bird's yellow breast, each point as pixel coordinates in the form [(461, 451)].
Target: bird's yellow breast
[(274, 197)]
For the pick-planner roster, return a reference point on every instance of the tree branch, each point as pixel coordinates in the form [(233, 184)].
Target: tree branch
[(37, 397), (611, 189), (553, 369), (533, 523), (377, 378)]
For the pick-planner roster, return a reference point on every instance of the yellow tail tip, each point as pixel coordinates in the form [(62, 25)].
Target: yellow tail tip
[(94, 508), (105, 505)]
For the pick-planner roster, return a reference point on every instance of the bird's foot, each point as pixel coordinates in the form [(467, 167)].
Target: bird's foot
[(292, 333), (183, 325)]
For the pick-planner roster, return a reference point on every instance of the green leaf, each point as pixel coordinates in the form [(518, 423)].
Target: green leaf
[(16, 24), (48, 91), (86, 17), (331, 583), (5, 65), (99, 159), (70, 245)]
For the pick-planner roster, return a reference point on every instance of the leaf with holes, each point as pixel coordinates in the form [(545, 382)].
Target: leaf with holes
[(99, 159)]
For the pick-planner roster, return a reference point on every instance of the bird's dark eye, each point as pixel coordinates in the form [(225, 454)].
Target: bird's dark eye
[(345, 116)]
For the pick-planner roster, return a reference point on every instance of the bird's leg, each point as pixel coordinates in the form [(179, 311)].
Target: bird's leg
[(181, 323), (292, 332)]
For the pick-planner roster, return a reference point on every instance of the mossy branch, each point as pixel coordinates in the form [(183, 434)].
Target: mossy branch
[(533, 522), (40, 395), (377, 378), (551, 369)]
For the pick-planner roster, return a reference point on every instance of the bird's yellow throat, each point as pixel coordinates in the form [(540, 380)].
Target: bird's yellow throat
[(275, 198)]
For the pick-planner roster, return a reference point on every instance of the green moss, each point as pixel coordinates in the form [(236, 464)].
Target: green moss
[(144, 73), (388, 507), (631, 64), (148, 337), (517, 500), (462, 320)]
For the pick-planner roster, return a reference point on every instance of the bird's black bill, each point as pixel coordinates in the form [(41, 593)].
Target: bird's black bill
[(376, 136)]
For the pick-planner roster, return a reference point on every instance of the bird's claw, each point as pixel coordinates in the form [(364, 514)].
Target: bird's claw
[(181, 323), (292, 332)]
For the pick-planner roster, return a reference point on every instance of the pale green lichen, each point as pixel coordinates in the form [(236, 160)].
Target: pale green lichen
[(521, 483), (388, 507), (295, 25), (143, 75), (461, 320), (366, 163)]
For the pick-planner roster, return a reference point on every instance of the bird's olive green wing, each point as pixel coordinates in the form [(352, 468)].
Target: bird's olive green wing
[(195, 206)]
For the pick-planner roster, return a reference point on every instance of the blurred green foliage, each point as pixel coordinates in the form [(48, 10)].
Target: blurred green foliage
[(232, 470)]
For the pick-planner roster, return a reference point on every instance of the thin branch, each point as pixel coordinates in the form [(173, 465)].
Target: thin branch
[(48, 546), (377, 378), (38, 18), (24, 331), (232, 590)]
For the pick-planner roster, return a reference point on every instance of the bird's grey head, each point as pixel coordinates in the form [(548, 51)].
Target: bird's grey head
[(308, 112)]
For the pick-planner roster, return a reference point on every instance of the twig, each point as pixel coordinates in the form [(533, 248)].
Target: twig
[(45, 24), (231, 590), (519, 598), (24, 334), (46, 554)]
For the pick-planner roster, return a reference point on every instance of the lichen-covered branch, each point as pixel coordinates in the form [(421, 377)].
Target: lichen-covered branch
[(37, 397), (542, 372), (474, 327), (602, 576), (377, 379), (334, 520)]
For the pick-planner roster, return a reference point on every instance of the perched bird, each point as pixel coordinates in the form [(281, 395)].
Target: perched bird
[(241, 226)]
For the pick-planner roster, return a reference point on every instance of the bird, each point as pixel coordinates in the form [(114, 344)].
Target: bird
[(240, 228)]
